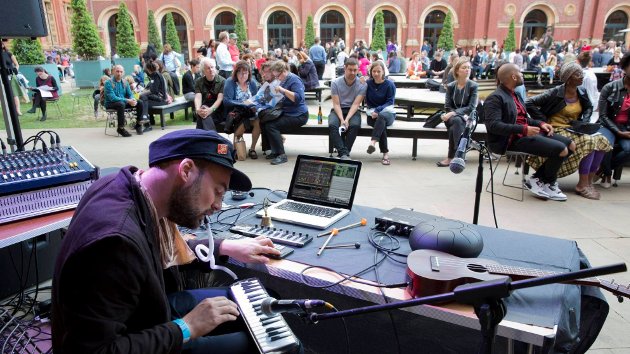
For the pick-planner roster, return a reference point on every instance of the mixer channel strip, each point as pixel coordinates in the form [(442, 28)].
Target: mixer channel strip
[(277, 235)]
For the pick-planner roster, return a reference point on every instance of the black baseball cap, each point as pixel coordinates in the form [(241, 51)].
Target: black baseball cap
[(199, 144)]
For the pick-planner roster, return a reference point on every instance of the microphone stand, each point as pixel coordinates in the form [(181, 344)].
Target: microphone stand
[(481, 147), (486, 297)]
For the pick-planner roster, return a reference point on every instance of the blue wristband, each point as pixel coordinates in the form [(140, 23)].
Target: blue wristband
[(184, 327)]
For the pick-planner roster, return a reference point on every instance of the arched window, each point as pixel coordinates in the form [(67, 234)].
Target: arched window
[(182, 33), (224, 22), (111, 29), (535, 25), (332, 23), (391, 25), (280, 30), (433, 24), (616, 22)]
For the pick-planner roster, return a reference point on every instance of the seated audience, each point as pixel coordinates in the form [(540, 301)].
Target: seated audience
[(536, 65), (43, 79), (209, 96), (448, 77), (590, 80), (189, 79), (379, 99), (267, 98), (461, 101), (438, 65), (344, 119), (96, 95), (375, 58), (614, 110), (294, 110), (238, 92), (118, 96), (307, 71), (550, 65), (560, 106), (170, 85), (393, 62), (364, 62), (170, 62), (510, 128), (416, 68), (156, 95)]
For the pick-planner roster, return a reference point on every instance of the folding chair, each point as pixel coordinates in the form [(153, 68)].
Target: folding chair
[(111, 120), (49, 102), (520, 162), (77, 96)]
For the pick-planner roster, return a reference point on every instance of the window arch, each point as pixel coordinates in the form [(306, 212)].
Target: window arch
[(391, 25), (279, 30), (224, 22), (112, 30), (616, 22), (433, 24), (534, 25), (182, 32), (332, 23)]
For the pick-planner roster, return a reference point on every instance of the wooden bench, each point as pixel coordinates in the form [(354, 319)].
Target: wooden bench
[(409, 130), (178, 104)]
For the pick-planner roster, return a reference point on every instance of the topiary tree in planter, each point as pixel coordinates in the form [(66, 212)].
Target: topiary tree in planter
[(28, 51), (240, 29), (88, 46), (446, 42), (126, 44), (86, 41), (171, 34), (378, 37), (309, 36), (154, 35), (29, 54), (510, 40)]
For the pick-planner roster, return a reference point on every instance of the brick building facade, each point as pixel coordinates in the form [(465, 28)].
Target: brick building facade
[(408, 22)]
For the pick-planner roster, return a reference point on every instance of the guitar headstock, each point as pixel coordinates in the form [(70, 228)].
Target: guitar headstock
[(619, 290)]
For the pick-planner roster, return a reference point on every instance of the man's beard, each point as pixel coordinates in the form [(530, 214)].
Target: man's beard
[(181, 206)]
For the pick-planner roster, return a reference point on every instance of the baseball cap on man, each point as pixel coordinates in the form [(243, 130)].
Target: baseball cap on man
[(199, 144), (233, 36)]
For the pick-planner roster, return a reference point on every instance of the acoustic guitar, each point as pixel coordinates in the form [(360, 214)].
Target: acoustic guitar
[(433, 272)]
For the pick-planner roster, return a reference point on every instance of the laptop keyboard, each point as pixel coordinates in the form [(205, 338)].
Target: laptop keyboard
[(314, 210)]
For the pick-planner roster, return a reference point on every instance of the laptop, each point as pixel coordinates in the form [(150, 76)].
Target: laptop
[(321, 192)]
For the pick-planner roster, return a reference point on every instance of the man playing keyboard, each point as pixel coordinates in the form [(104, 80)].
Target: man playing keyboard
[(111, 290)]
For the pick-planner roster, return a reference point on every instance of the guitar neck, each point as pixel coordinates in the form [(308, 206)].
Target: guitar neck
[(519, 273)]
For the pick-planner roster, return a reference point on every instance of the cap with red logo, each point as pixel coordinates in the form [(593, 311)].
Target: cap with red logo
[(199, 144)]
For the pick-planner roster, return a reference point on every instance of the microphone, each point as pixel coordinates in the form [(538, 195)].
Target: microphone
[(271, 306), (458, 164)]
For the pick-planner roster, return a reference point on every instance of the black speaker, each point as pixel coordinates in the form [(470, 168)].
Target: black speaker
[(22, 18)]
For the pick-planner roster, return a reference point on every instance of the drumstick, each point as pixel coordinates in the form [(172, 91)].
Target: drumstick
[(333, 233), (363, 222)]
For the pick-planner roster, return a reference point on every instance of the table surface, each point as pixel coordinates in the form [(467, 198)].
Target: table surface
[(22, 230), (420, 96), (533, 315)]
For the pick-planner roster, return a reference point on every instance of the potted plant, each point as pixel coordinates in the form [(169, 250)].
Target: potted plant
[(127, 48), (378, 37), (88, 46), (240, 29), (29, 54), (154, 35), (309, 37), (446, 42), (510, 41)]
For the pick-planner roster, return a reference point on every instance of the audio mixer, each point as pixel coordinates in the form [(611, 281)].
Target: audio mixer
[(43, 181)]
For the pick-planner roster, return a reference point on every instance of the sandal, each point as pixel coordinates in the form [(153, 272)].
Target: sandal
[(441, 164), (386, 162), (588, 193), (252, 154)]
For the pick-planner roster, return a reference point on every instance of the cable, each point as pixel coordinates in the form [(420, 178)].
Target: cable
[(389, 312)]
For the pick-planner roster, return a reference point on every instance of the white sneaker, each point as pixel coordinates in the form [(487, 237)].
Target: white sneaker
[(537, 188), (554, 192)]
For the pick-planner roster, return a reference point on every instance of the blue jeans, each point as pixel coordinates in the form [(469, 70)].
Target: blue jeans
[(618, 156), (343, 142), (380, 124)]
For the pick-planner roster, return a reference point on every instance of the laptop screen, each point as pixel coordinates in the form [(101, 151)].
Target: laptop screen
[(325, 181)]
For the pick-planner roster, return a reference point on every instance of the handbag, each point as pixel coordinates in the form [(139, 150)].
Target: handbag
[(587, 128), (241, 149), (270, 114), (236, 118), (434, 120)]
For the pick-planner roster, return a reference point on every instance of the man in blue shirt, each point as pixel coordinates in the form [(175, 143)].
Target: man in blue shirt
[(344, 119), (118, 96), (318, 56)]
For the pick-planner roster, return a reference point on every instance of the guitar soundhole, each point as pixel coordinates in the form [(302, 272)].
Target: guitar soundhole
[(477, 268)]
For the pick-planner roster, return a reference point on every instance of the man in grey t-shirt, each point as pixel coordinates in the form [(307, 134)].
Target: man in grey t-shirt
[(347, 94)]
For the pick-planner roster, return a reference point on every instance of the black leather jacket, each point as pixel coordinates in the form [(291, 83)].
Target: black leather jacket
[(500, 113), (550, 102), (610, 100)]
